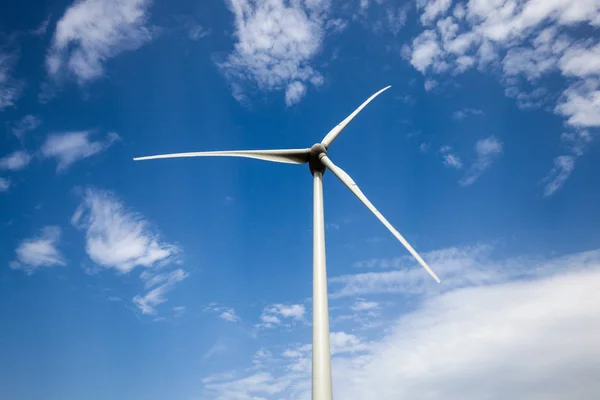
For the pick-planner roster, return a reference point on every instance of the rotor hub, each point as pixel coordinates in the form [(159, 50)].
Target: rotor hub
[(314, 158)]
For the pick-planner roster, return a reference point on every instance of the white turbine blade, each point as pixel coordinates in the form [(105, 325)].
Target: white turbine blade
[(330, 137), (289, 156), (346, 180)]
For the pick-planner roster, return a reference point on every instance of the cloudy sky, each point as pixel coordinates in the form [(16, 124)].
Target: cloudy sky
[(190, 279)]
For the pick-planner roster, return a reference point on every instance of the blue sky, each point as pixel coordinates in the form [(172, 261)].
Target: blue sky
[(191, 278)]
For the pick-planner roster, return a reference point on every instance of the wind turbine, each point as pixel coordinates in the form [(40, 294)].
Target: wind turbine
[(318, 162)]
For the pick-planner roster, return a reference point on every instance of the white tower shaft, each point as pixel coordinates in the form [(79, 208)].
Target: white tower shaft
[(321, 357)]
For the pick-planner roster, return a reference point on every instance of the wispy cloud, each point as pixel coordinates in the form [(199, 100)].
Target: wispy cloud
[(117, 237), (148, 302), (451, 160), (430, 84), (273, 315), (26, 124), (332, 226), (525, 43), (432, 9), (198, 32), (294, 93), (15, 161), (510, 327), (69, 147), (558, 175), (225, 313), (465, 112), (252, 387), (93, 31), (276, 43), (488, 150), (457, 267), (39, 251), (10, 89), (214, 350), (528, 44), (42, 28), (396, 17), (336, 25), (363, 305), (458, 340), (4, 184), (575, 143), (229, 315), (383, 16)]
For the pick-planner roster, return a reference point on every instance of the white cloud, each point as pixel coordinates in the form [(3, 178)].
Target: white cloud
[(433, 9), (261, 358), (451, 160), (295, 311), (225, 313), (42, 28), (362, 305), (526, 42), (119, 238), (457, 267), (70, 147), (336, 25), (179, 310), (465, 112), (396, 17), (229, 315), (148, 302), (453, 343), (580, 104), (4, 184), (563, 167), (253, 387), (332, 225), (425, 51), (198, 32), (430, 84), (218, 377), (273, 315), (576, 143), (93, 31), (276, 43), (342, 342), (457, 343), (214, 350), (488, 150), (580, 60), (39, 251), (294, 93), (26, 124), (15, 161), (10, 89)]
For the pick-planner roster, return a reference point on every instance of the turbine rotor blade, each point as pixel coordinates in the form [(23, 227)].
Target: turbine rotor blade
[(288, 156), (346, 180), (330, 137)]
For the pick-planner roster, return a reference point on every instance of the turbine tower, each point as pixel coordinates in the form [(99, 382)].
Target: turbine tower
[(318, 161)]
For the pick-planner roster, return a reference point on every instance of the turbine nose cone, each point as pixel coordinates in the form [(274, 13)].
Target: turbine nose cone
[(317, 149)]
